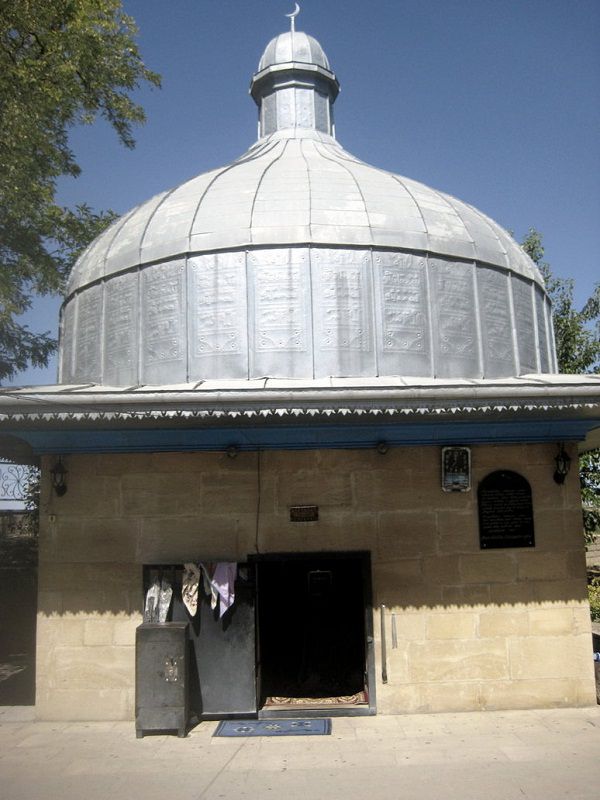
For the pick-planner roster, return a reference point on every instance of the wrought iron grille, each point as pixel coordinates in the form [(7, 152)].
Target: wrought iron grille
[(14, 480)]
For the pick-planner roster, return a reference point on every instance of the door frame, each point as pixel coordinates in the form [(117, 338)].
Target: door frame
[(369, 709)]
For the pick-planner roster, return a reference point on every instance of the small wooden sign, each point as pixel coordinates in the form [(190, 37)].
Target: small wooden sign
[(304, 513)]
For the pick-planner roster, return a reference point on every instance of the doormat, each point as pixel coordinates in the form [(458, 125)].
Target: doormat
[(270, 727), (339, 700)]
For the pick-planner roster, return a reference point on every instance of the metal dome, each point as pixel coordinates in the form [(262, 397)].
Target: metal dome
[(293, 46), (300, 261)]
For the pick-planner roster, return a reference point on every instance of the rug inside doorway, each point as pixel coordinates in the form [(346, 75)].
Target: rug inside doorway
[(339, 700), (271, 727)]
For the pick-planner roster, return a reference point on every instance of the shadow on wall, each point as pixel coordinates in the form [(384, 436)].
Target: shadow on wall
[(90, 589)]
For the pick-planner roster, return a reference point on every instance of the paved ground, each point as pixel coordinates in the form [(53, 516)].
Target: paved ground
[(537, 755)]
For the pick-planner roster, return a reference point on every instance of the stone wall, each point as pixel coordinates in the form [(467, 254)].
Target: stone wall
[(476, 630)]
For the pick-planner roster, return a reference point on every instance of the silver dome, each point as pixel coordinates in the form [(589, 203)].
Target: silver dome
[(300, 261), (293, 46)]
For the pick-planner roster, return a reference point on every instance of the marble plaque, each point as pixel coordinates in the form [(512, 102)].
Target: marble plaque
[(121, 323), (89, 336), (505, 511)]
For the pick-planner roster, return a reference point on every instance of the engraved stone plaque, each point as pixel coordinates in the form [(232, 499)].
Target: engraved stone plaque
[(89, 336), (217, 311), (121, 321), (505, 511), (457, 351), (163, 342), (496, 323)]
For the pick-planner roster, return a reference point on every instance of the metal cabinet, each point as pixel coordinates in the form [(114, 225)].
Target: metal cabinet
[(162, 678)]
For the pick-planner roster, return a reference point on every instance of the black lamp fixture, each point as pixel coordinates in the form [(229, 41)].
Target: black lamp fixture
[(382, 448), (563, 465), (59, 477)]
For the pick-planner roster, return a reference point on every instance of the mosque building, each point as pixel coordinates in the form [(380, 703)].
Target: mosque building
[(310, 408)]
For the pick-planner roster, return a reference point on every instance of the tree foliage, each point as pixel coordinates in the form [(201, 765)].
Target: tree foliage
[(62, 63), (578, 351)]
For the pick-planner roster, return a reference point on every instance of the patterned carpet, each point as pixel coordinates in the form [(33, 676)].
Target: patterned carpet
[(339, 700)]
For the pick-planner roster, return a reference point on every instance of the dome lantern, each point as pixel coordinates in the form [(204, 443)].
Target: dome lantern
[(294, 87)]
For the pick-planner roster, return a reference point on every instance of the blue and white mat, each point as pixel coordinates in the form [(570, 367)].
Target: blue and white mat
[(273, 727)]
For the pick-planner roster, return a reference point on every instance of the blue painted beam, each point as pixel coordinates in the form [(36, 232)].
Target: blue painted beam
[(302, 437)]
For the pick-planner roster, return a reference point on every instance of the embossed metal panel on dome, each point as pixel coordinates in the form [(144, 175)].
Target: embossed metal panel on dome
[(121, 330), (402, 317), (300, 261), (217, 314), (279, 311), (496, 323)]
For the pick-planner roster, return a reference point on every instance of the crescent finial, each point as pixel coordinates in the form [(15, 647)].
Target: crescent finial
[(293, 16)]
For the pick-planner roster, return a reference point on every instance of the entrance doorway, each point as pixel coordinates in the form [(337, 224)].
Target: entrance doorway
[(298, 639), (313, 631)]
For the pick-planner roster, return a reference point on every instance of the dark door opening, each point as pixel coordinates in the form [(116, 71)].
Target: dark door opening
[(311, 629)]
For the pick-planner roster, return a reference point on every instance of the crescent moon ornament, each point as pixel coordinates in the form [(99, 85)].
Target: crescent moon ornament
[(293, 16)]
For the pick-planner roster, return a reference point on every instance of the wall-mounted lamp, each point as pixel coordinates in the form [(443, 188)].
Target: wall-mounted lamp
[(59, 478), (563, 465), (382, 448), (232, 451)]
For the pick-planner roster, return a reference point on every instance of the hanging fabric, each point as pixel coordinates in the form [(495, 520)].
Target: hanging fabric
[(219, 584), (158, 601), (189, 587)]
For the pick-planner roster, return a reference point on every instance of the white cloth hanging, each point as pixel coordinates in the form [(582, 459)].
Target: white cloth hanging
[(189, 587)]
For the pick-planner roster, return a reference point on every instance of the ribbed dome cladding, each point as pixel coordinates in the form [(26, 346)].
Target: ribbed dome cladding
[(293, 46), (300, 261), (305, 312), (298, 187)]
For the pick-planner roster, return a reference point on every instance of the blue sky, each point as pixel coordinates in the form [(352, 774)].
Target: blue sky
[(494, 101)]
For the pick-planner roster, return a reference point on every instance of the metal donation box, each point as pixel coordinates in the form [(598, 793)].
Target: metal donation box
[(162, 678)]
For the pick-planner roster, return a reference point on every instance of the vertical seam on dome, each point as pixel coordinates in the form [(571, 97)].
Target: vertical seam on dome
[(304, 158), (356, 183), (446, 199), (123, 221), (211, 184), (412, 197), (166, 195), (261, 179), (310, 259)]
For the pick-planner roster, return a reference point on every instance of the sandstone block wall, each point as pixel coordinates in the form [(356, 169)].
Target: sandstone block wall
[(476, 630)]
